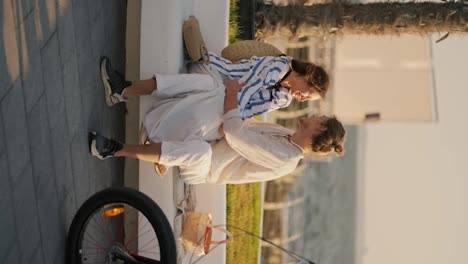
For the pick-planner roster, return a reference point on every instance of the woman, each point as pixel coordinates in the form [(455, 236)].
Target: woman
[(269, 82), (180, 124), (272, 81)]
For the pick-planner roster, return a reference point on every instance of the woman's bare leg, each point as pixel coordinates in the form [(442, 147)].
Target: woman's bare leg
[(141, 87)]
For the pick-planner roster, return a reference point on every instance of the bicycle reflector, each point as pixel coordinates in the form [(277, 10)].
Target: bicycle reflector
[(113, 212)]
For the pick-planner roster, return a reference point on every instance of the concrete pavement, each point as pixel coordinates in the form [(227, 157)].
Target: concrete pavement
[(50, 97)]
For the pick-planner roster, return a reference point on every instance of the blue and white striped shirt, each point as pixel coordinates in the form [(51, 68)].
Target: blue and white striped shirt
[(258, 73)]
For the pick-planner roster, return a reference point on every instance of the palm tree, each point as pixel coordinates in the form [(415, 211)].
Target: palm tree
[(389, 18)]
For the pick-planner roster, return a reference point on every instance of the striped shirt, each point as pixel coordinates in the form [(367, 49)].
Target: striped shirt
[(258, 74)]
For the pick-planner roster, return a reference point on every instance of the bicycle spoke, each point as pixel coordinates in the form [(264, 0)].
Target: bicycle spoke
[(148, 243), (106, 226), (147, 252), (92, 244), (136, 236), (109, 239)]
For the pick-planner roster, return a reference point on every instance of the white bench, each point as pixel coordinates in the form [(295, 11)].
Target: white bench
[(161, 51)]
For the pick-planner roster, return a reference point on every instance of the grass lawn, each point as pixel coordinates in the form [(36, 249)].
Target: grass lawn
[(243, 211)]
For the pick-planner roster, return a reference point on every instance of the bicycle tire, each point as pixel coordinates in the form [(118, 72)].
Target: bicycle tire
[(137, 199)]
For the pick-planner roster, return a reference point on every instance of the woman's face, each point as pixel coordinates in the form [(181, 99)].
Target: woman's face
[(313, 126), (301, 90)]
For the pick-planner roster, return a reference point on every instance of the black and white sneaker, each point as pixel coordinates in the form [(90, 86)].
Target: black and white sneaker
[(102, 147), (114, 83)]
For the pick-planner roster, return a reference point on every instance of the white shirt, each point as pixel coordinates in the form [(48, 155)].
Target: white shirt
[(252, 151)]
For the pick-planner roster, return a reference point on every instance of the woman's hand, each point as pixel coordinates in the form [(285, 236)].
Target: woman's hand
[(230, 98)]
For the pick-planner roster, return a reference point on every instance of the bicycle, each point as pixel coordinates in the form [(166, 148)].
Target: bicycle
[(112, 227)]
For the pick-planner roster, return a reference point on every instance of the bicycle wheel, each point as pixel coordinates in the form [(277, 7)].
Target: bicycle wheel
[(120, 225)]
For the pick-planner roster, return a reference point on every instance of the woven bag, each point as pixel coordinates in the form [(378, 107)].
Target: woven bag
[(193, 39), (197, 231), (245, 49)]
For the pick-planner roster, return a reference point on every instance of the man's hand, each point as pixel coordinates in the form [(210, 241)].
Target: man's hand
[(233, 85), (221, 131)]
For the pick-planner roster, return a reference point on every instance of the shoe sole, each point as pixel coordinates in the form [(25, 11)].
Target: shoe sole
[(92, 146), (105, 83)]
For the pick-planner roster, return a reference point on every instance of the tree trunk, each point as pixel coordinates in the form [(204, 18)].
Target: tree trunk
[(389, 18)]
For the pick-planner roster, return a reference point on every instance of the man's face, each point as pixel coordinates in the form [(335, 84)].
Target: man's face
[(313, 125)]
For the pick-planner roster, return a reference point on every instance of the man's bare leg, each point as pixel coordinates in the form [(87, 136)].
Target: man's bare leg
[(150, 153), (103, 148)]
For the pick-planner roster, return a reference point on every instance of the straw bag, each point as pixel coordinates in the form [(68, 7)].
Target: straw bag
[(197, 231), (193, 40), (245, 49)]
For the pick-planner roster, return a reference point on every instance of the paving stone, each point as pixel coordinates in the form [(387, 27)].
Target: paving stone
[(117, 172), (52, 75), (38, 256), (10, 61), (92, 113), (60, 257), (16, 132), (9, 16), (63, 5), (41, 154), (2, 136), (94, 10), (5, 187), (22, 9), (61, 153), (31, 67), (72, 96), (14, 255), (100, 174), (7, 227), (98, 37), (46, 19), (66, 31), (26, 214), (53, 230), (80, 170), (113, 23), (7, 217), (82, 26), (67, 206)]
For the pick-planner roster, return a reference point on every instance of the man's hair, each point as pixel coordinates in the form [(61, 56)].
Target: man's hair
[(331, 139)]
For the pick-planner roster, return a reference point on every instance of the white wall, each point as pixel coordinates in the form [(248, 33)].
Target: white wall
[(415, 192), (373, 73)]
